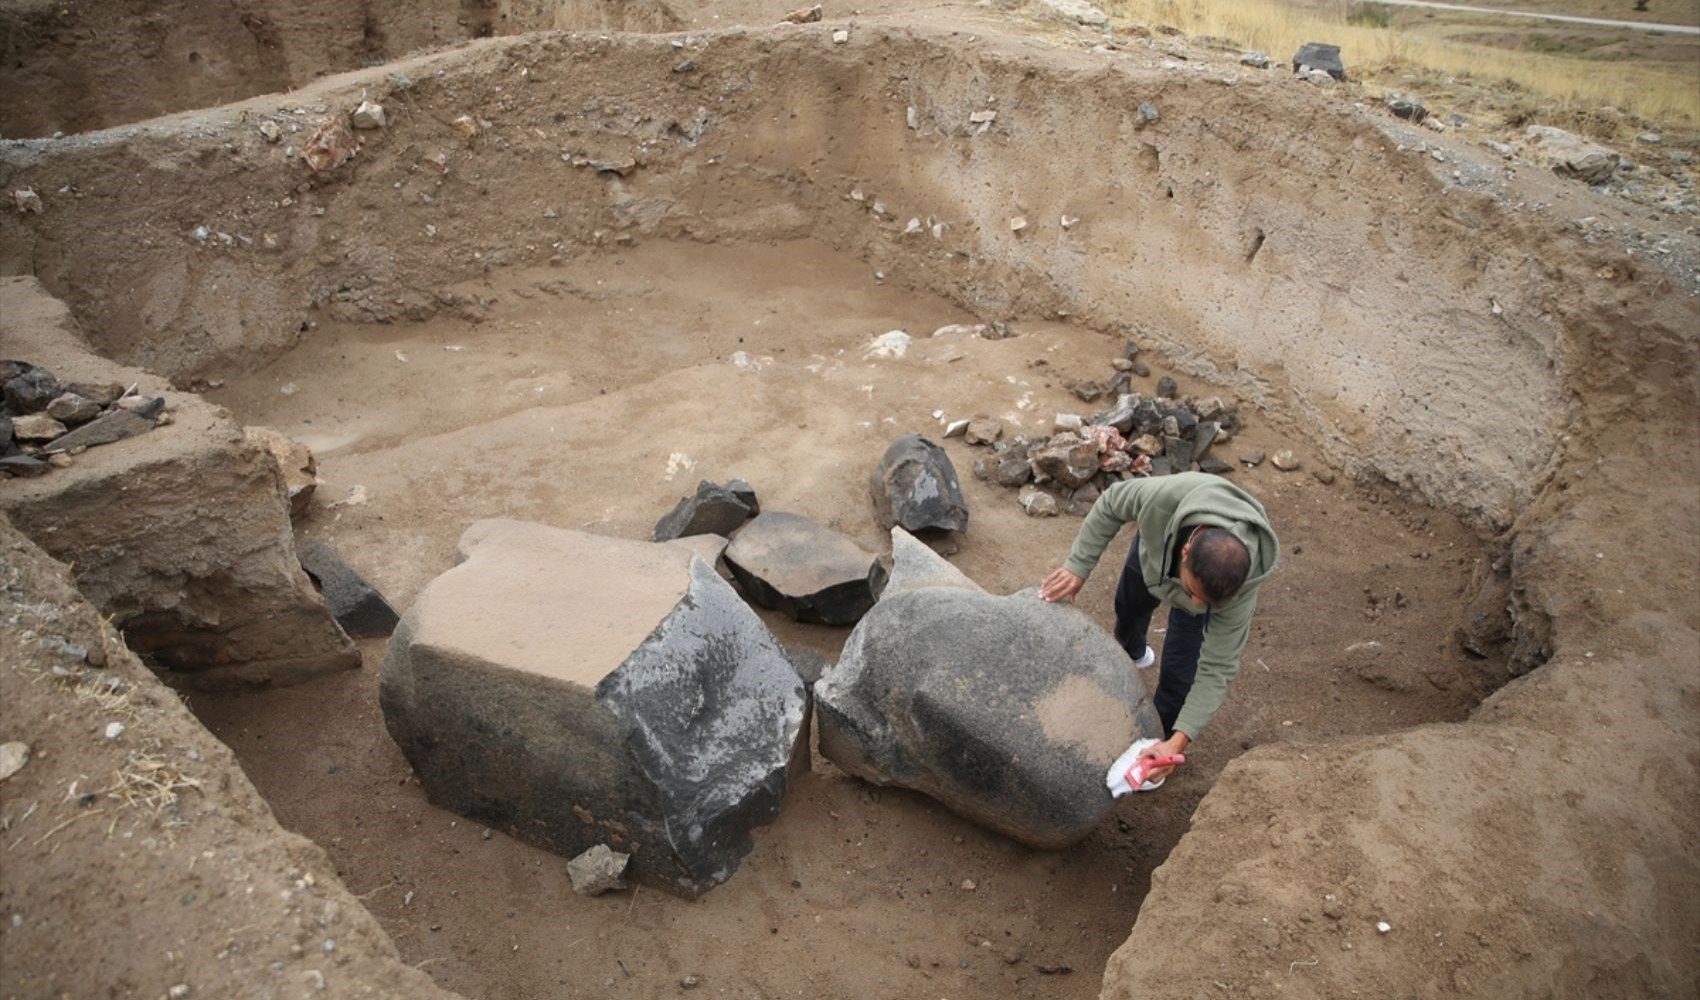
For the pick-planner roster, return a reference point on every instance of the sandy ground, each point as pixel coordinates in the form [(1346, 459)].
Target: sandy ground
[(593, 396)]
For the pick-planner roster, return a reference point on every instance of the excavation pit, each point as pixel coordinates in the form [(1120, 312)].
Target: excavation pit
[(569, 280)]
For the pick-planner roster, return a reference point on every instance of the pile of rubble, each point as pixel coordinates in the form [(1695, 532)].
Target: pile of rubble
[(45, 422), (1156, 435)]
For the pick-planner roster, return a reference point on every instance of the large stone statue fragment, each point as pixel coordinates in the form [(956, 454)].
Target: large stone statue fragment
[(915, 488), (575, 690), (1006, 709), (812, 573)]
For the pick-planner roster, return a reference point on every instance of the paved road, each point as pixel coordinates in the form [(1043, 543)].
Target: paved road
[(1598, 22)]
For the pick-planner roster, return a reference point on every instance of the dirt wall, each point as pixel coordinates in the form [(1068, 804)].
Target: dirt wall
[(1256, 232), (140, 860)]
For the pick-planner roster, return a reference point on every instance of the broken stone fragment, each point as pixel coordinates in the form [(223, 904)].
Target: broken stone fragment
[(1406, 106), (1008, 710), (712, 510), (115, 425), (1036, 502), (1252, 459), (598, 870), (983, 430), (1215, 466), (27, 202), (1286, 461), (72, 409), (270, 131), (23, 466), (36, 427), (330, 146), (296, 462), (1147, 114), (813, 574), (1166, 388), (1087, 391), (915, 487), (1180, 452), (745, 493), (1256, 60), (575, 690), (30, 391), (369, 115), (806, 15), (466, 125), (359, 608), (1067, 458), (1569, 155), (13, 756), (1079, 11), (1319, 56), (840, 36)]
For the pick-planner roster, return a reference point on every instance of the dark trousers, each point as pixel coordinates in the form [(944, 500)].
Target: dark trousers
[(1181, 644)]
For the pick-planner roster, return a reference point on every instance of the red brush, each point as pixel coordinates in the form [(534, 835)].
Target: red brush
[(1145, 765)]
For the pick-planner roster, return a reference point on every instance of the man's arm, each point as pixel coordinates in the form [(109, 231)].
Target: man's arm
[(1118, 505), (1218, 663)]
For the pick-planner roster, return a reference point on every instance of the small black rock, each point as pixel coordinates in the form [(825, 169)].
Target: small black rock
[(1166, 388), (711, 510), (358, 607)]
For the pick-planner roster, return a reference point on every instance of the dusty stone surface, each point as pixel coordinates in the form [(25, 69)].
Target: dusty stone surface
[(196, 563), (812, 573), (1006, 709), (162, 813), (572, 689)]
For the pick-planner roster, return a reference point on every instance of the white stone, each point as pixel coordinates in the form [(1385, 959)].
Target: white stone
[(270, 131), (27, 201), (840, 36), (892, 344), (982, 117), (369, 115), (1017, 224), (114, 730), (1079, 11), (14, 755)]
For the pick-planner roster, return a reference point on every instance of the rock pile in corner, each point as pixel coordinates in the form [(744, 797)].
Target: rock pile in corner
[(576, 690), (1006, 709)]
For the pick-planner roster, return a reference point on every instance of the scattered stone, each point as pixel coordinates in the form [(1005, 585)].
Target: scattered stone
[(330, 146), (1323, 475), (1203, 436), (1256, 60), (270, 132), (1148, 444), (983, 430), (1251, 459), (59, 460), (1147, 114), (1570, 155), (30, 391), (806, 15), (1036, 502), (576, 690), (1318, 55), (956, 428), (369, 115), (1650, 138), (1180, 452), (36, 427), (13, 756), (115, 425), (690, 982), (840, 36), (712, 510), (915, 488), (1406, 106), (1079, 11), (1286, 461), (114, 730), (891, 344), (23, 466), (813, 574), (27, 202), (1017, 223), (467, 125), (143, 406), (72, 409), (1008, 710), (359, 608), (1319, 77), (1012, 468), (1215, 466), (598, 870), (1166, 388), (982, 117), (1069, 422), (295, 461), (686, 66), (1121, 364), (1067, 458), (1087, 391), (1141, 369)]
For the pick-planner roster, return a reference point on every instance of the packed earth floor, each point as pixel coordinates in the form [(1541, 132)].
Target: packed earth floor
[(592, 397)]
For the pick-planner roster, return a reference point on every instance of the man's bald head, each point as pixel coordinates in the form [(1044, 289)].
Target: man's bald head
[(1219, 561)]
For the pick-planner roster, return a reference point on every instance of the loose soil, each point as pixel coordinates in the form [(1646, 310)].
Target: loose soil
[(593, 397)]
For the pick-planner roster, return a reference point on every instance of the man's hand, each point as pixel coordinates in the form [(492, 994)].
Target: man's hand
[(1061, 585), (1163, 748)]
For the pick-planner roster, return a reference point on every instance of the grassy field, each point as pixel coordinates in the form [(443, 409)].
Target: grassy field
[(1515, 70)]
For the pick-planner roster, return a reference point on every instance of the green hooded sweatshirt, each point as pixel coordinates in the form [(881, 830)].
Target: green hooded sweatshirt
[(1161, 508)]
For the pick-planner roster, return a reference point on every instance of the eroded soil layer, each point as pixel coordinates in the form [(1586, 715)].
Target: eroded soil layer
[(592, 397)]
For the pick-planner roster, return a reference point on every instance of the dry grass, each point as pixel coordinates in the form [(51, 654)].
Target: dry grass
[(1657, 93)]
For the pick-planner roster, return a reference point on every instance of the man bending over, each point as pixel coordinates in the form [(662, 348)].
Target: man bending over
[(1203, 547)]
